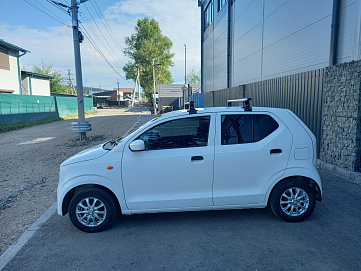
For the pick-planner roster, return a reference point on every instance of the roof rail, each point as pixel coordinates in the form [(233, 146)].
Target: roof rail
[(246, 105)]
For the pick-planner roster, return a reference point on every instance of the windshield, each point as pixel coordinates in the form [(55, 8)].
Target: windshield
[(109, 145)]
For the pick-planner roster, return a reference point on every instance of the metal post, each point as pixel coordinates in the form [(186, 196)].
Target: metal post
[(154, 99), (78, 72), (185, 64)]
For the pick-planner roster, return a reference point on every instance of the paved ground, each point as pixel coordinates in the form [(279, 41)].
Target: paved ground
[(30, 159), (216, 240)]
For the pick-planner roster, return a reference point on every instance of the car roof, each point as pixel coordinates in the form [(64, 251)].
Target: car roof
[(225, 110)]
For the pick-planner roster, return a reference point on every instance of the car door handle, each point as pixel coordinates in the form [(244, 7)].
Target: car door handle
[(275, 151), (197, 158)]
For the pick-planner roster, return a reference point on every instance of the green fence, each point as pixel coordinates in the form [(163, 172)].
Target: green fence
[(19, 108)]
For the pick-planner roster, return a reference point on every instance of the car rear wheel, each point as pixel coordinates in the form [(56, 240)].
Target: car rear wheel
[(92, 210), (293, 200)]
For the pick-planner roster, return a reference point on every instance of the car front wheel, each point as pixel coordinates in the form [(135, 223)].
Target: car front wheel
[(92, 210), (292, 200)]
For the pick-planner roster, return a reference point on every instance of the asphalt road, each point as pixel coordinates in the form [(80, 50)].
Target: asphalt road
[(217, 240)]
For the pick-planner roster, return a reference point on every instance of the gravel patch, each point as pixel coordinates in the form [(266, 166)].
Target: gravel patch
[(30, 160)]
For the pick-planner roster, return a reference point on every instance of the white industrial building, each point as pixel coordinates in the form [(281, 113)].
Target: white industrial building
[(245, 41)]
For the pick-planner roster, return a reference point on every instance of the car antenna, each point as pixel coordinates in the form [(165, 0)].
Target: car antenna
[(246, 105)]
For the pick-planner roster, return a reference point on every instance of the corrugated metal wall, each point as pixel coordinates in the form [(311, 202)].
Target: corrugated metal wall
[(301, 93)]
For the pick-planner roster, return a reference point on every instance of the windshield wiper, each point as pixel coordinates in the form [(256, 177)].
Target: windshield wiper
[(109, 145)]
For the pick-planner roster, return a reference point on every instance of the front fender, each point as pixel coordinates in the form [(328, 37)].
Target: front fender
[(97, 180)]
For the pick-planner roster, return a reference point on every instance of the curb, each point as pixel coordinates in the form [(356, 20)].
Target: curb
[(7, 256), (354, 177)]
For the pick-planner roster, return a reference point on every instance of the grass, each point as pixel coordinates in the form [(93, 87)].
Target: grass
[(20, 125), (73, 116)]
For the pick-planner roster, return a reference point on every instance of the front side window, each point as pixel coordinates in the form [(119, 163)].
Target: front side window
[(208, 15), (180, 133), (246, 128)]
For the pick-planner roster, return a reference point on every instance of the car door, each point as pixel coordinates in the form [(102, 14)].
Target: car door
[(250, 149), (176, 168)]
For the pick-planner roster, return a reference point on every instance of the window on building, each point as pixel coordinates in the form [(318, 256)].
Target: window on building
[(245, 128), (180, 133), (208, 15), (221, 4), (4, 59)]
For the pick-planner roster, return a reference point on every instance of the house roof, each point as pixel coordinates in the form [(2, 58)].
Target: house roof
[(12, 46), (37, 74), (125, 90), (103, 93)]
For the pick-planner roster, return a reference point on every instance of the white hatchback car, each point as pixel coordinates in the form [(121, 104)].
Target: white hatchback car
[(204, 159)]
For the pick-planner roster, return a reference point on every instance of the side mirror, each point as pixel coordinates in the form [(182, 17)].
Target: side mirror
[(137, 145)]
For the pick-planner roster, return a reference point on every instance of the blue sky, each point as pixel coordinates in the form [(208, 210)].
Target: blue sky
[(50, 38)]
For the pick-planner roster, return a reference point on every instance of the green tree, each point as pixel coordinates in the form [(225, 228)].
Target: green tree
[(148, 42), (57, 83), (194, 76)]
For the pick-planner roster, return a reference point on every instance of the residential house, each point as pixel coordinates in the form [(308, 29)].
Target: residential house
[(10, 71), (35, 84), (124, 94)]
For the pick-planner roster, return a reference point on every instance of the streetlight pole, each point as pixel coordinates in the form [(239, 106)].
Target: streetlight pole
[(154, 99), (185, 64)]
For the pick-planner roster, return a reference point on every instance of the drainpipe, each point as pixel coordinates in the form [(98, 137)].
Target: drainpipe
[(200, 4), (30, 87), (19, 73), (335, 27), (229, 37)]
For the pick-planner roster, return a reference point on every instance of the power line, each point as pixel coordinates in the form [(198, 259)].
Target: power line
[(59, 7), (99, 51), (105, 39), (38, 8), (111, 34)]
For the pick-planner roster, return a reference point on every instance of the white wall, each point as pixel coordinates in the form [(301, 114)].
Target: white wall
[(9, 80), (275, 38), (350, 31), (40, 86)]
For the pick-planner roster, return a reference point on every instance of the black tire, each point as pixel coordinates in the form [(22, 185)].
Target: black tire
[(292, 200), (92, 210)]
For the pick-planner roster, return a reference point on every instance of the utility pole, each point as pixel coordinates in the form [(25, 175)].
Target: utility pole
[(80, 126), (118, 93), (135, 87), (78, 72), (70, 83), (138, 79), (185, 64), (154, 100)]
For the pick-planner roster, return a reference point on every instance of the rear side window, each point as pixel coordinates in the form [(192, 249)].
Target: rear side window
[(246, 128), (180, 133)]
